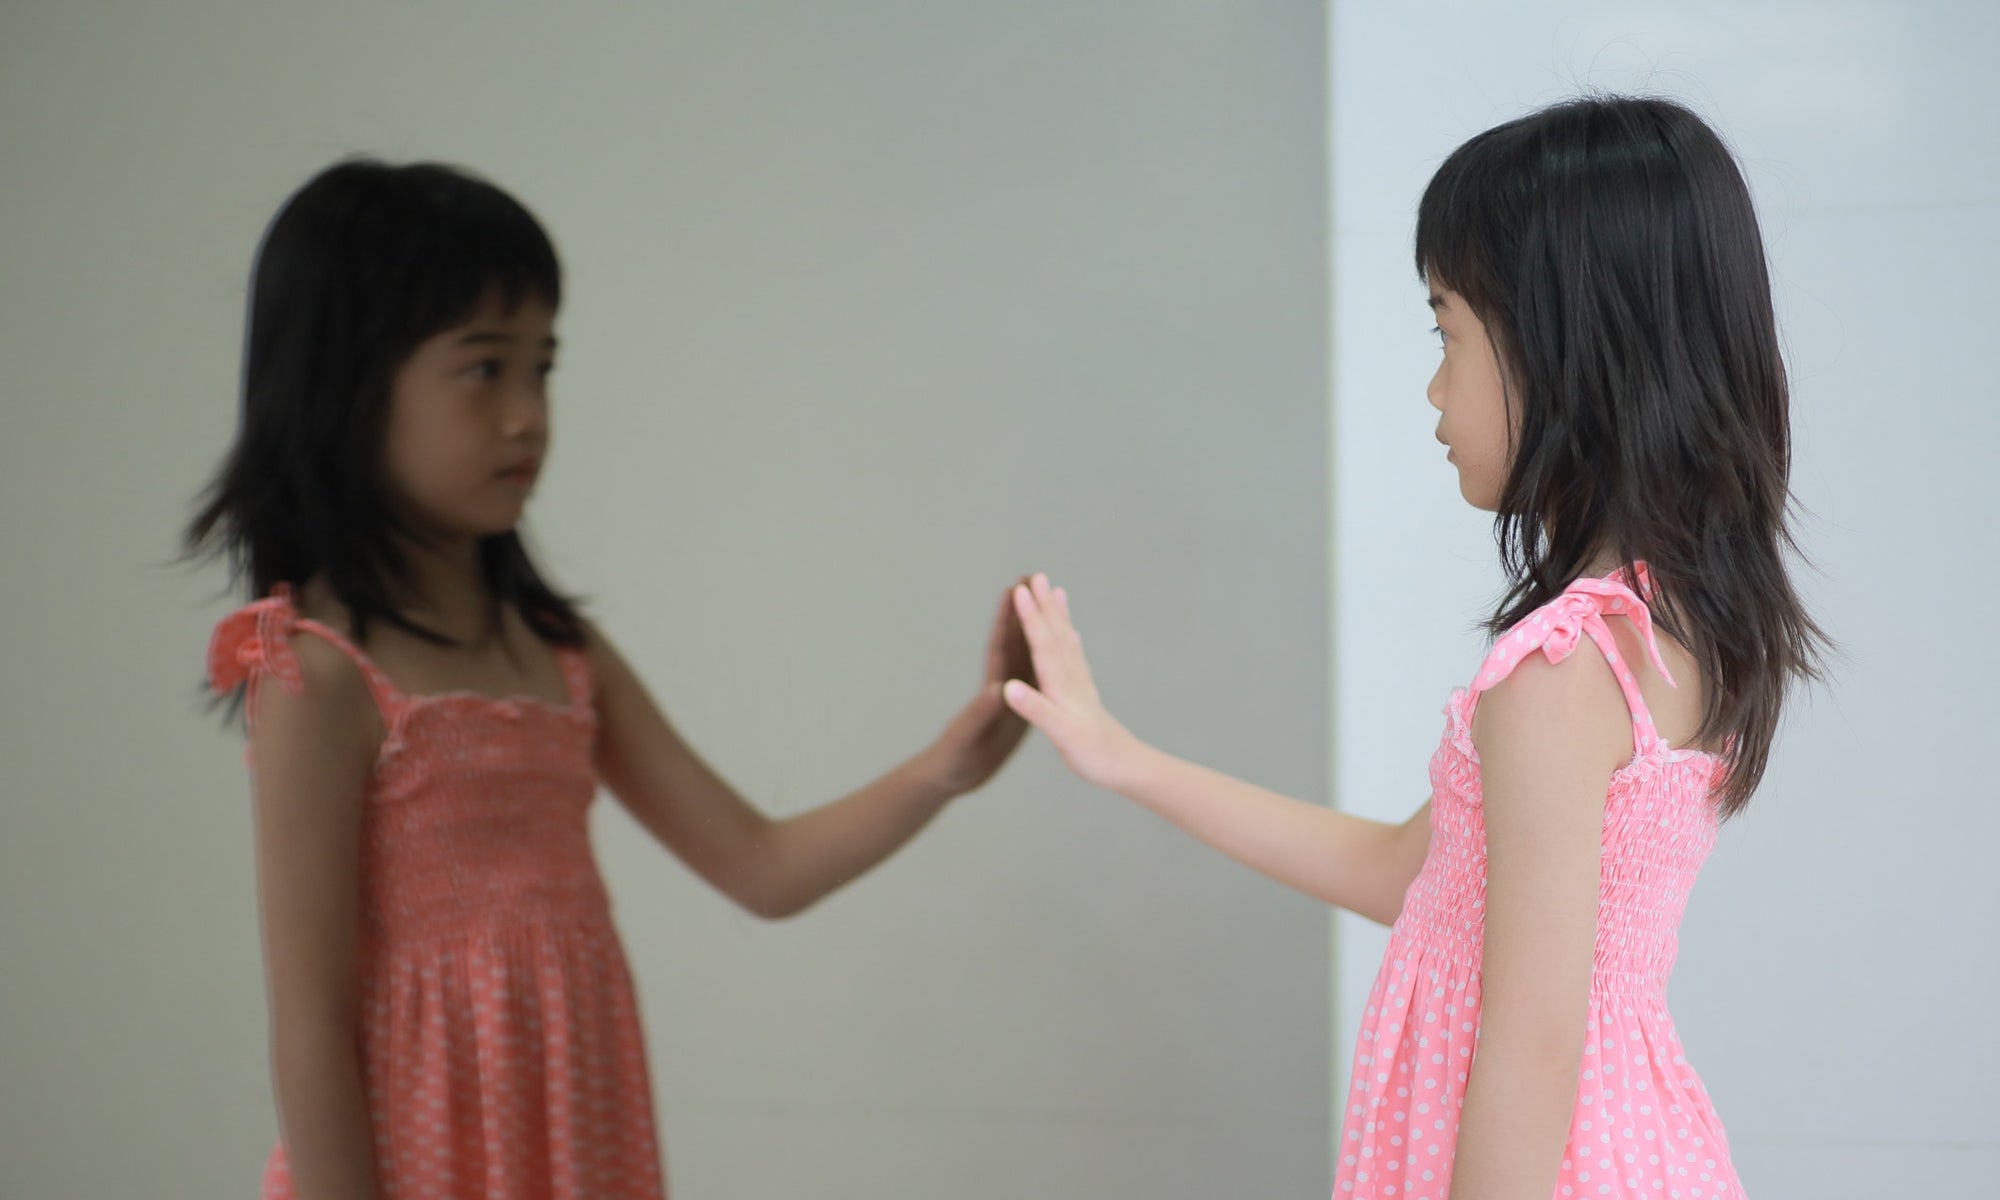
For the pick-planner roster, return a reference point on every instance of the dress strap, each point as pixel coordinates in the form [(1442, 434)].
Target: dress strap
[(575, 663), (1558, 627), (256, 641)]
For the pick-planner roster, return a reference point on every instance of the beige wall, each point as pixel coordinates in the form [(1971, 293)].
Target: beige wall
[(872, 306)]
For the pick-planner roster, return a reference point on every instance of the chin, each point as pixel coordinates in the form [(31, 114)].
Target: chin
[(504, 520), (1478, 500), (489, 525)]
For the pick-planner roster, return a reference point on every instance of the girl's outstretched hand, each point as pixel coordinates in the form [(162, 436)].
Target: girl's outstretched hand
[(1062, 700), (984, 734)]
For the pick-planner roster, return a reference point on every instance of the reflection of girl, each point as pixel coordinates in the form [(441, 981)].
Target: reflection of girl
[(1611, 388), (450, 1010)]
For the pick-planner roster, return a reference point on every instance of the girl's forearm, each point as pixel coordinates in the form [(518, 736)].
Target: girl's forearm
[(323, 1114), (1351, 862), (818, 851)]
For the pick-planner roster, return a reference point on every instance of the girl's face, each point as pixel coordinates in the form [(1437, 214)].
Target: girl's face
[(469, 419), (1470, 393)]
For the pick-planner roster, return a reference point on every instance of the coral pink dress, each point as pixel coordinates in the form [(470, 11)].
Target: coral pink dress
[(500, 1045), (1643, 1125)]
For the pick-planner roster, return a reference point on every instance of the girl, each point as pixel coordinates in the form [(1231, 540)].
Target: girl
[(450, 1009), (1611, 389)]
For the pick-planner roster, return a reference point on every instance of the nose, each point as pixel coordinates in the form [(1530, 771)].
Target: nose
[(527, 411), (1435, 391)]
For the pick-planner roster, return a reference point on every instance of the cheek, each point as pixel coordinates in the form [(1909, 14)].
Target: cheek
[(425, 448), (401, 436), (1487, 405), (445, 421), (1493, 429), (1495, 462), (412, 431)]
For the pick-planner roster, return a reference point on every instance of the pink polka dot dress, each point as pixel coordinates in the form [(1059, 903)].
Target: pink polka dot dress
[(500, 1045), (1643, 1126)]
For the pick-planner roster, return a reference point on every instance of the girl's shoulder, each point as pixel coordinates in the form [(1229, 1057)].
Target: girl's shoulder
[(262, 640), (1612, 613), (1582, 610)]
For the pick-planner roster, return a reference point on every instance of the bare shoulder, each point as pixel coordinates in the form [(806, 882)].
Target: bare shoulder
[(329, 719), (619, 689), (316, 601), (597, 647), (1676, 707), (1568, 716), (330, 675)]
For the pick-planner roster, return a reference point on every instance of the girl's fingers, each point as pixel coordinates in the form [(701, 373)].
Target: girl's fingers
[(1039, 618), (996, 641), (1030, 611), (1045, 646), (1053, 643), (1055, 612), (1030, 705), (1034, 628), (1045, 597), (1055, 606)]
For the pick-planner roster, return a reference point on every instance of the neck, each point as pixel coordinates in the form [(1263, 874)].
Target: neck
[(446, 589), (1597, 562)]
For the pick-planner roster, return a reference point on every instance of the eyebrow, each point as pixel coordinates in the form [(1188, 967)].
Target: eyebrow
[(499, 339), (1437, 301)]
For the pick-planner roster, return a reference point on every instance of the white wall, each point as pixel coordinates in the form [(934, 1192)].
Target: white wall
[(1837, 971), (873, 305)]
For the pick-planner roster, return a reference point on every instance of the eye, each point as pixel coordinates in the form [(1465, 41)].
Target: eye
[(486, 369), (545, 370), (1440, 334)]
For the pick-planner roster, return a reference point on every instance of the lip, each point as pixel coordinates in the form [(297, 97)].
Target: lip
[(522, 472)]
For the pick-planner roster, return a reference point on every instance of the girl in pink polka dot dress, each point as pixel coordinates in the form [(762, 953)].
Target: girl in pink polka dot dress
[(1611, 389), (429, 720)]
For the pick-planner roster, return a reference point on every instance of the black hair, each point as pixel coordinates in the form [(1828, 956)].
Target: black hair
[(359, 267), (1611, 249)]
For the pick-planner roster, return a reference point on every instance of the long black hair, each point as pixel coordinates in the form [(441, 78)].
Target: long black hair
[(359, 267), (1610, 247)]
